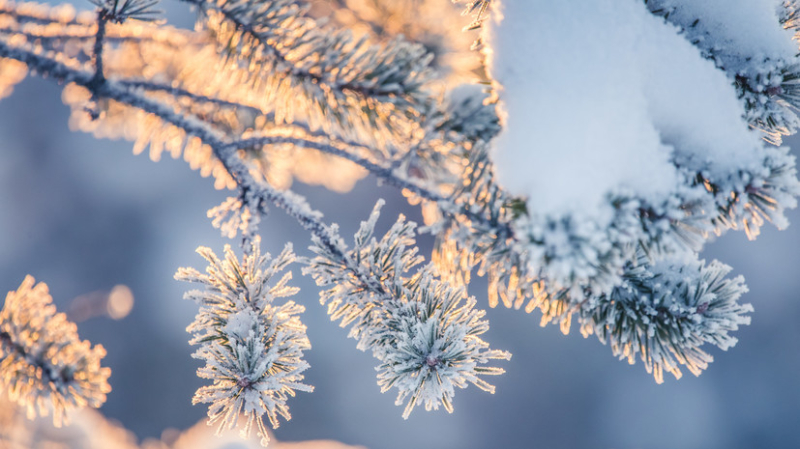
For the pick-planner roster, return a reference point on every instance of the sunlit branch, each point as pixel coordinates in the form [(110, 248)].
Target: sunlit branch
[(49, 372), (386, 174), (178, 92), (292, 204), (50, 37), (44, 366), (114, 35), (279, 56), (270, 116), (226, 151), (381, 172)]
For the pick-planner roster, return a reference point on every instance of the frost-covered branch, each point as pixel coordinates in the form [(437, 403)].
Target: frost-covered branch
[(44, 366), (451, 350), (703, 172), (582, 184), (179, 92), (326, 75), (252, 346), (294, 205), (573, 242), (424, 333), (666, 312), (386, 174)]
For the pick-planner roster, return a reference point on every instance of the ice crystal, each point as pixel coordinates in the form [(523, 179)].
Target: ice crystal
[(235, 216)]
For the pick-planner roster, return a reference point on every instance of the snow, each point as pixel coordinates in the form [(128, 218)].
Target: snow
[(747, 27), (598, 96), (241, 325)]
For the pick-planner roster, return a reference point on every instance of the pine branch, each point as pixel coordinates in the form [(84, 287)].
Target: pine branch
[(415, 323), (83, 31), (309, 220), (426, 340), (178, 92), (295, 127), (324, 75), (185, 94), (44, 366), (381, 172), (252, 347), (294, 205), (665, 312), (33, 37)]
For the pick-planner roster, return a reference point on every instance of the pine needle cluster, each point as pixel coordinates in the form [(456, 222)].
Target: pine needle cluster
[(251, 346), (44, 366), (424, 332)]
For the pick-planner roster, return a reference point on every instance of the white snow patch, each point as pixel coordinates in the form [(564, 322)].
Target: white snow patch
[(595, 95), (748, 27)]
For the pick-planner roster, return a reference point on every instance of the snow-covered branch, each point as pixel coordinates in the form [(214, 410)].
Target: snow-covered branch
[(424, 333), (582, 177), (252, 346)]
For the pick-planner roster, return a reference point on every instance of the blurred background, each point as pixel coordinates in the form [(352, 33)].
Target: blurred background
[(86, 216)]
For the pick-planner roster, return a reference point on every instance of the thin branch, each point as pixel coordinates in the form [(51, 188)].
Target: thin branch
[(381, 172), (386, 174), (270, 116), (111, 36), (50, 37), (97, 50), (178, 92)]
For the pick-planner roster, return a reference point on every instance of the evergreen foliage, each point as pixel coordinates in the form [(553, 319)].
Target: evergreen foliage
[(267, 91), (44, 366), (252, 347), (426, 340)]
